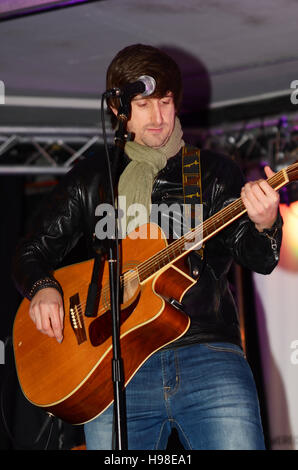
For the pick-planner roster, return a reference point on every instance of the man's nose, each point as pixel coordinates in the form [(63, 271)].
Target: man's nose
[(156, 116)]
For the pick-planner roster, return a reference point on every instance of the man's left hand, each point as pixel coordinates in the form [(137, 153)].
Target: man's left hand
[(261, 202)]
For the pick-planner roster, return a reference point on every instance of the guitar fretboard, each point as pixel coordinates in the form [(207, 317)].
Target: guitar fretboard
[(197, 236)]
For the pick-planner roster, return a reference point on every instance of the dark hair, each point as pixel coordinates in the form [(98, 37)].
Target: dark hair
[(139, 59)]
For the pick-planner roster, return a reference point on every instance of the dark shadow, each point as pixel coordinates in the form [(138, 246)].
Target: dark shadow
[(197, 91), (22, 425)]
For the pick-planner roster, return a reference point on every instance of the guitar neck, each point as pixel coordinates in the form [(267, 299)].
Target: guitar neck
[(200, 234)]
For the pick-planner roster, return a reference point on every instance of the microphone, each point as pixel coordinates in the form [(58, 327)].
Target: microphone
[(144, 86)]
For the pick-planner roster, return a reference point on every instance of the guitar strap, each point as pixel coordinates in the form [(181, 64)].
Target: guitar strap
[(192, 185)]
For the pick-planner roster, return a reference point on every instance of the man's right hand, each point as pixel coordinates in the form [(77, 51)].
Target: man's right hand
[(47, 312)]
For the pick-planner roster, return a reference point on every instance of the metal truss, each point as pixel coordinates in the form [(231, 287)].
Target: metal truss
[(46, 150), (273, 140), (53, 151)]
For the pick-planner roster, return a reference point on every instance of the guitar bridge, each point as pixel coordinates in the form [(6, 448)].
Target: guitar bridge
[(76, 318)]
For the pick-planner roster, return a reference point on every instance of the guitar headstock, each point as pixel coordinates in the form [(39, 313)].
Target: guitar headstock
[(292, 171)]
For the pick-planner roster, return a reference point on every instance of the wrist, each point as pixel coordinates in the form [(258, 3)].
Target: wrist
[(267, 228), (261, 228), (47, 282)]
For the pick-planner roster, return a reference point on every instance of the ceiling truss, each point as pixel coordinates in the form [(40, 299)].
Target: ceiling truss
[(53, 151)]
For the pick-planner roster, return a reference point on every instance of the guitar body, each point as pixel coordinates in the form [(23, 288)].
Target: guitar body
[(73, 380)]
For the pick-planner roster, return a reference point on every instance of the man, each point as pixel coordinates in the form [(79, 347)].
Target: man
[(200, 384)]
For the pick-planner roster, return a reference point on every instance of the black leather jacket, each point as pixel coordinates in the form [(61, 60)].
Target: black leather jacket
[(70, 213)]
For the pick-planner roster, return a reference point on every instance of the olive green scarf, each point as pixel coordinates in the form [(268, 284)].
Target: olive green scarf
[(136, 181)]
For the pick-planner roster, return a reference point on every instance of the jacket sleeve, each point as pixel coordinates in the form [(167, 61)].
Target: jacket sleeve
[(53, 232), (257, 251)]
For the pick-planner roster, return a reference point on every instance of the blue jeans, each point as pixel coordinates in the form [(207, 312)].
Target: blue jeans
[(205, 391)]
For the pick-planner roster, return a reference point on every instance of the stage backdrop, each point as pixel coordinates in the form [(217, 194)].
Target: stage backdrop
[(277, 317)]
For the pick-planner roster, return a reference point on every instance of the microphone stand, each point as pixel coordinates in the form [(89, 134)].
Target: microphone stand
[(119, 439), (119, 428)]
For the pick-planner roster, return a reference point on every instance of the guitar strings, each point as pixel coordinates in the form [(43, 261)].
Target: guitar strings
[(178, 244), (105, 291), (204, 227), (278, 178)]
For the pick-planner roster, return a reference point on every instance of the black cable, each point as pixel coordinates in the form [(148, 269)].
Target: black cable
[(111, 182)]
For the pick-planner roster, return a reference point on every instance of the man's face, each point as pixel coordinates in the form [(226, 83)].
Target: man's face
[(152, 120)]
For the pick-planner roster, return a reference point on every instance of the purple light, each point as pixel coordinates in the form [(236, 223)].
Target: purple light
[(28, 8)]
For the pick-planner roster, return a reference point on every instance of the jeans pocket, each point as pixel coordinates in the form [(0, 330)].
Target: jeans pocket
[(225, 347)]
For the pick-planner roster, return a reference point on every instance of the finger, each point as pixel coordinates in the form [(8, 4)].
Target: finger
[(252, 198), (35, 316), (268, 171), (263, 193), (32, 313), (38, 322), (257, 191), (61, 313), (48, 312), (269, 191), (249, 205), (45, 322), (58, 321), (56, 325)]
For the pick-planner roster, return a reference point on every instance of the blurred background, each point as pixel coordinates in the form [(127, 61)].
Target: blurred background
[(239, 63)]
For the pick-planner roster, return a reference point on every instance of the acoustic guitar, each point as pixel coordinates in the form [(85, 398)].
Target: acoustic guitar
[(73, 380)]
